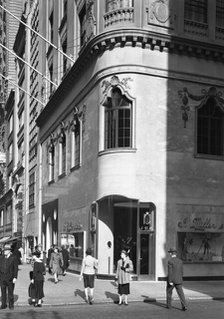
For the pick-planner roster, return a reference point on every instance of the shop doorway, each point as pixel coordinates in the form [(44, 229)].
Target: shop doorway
[(134, 229)]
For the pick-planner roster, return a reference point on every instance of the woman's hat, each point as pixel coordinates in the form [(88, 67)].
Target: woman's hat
[(172, 250), (37, 254), (7, 247)]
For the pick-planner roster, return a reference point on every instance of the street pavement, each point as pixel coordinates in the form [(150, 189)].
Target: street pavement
[(70, 291)]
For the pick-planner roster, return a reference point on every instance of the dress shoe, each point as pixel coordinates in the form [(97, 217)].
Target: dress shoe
[(3, 306)]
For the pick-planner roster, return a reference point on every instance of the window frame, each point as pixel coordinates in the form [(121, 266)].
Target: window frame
[(195, 15), (113, 113), (209, 155)]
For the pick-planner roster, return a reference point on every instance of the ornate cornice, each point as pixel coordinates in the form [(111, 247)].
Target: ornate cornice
[(145, 39)]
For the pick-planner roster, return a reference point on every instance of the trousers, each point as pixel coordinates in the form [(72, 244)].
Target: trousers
[(179, 290), (7, 287)]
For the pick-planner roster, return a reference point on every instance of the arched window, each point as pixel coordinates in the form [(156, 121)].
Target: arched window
[(210, 128), (118, 120)]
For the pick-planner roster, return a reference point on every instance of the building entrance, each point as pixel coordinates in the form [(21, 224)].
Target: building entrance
[(133, 229)]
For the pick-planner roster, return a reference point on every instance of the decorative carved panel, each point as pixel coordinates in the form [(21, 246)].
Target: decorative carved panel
[(160, 13)]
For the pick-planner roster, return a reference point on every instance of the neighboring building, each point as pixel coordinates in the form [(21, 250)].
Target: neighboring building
[(9, 228)]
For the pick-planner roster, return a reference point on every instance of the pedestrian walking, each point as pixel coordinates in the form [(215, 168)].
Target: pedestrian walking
[(124, 268), (8, 276), (39, 272), (175, 279), (66, 260), (49, 252), (88, 271), (56, 264)]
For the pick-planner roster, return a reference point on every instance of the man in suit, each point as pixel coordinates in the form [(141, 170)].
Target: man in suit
[(175, 279), (8, 276)]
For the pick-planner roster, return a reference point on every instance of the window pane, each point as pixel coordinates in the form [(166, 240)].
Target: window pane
[(196, 10), (117, 121), (210, 129), (220, 13)]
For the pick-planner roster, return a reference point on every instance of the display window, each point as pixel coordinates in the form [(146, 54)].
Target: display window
[(75, 243), (200, 233), (201, 247)]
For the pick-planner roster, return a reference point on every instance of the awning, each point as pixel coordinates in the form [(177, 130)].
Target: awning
[(4, 239), (13, 238)]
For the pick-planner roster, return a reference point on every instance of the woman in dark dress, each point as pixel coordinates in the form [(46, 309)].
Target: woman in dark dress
[(38, 278)]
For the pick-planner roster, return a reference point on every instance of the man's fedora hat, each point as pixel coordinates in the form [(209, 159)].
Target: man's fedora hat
[(172, 250), (7, 247)]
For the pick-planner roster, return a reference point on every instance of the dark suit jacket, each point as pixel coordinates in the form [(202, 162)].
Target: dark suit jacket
[(8, 268), (175, 270)]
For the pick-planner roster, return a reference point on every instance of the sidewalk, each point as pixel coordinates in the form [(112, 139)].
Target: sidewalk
[(70, 291)]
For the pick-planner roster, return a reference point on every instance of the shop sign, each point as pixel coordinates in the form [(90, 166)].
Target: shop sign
[(203, 222), (70, 227)]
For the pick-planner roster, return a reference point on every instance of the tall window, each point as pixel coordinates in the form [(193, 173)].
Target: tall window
[(32, 190), (210, 129), (220, 13), (10, 152), (76, 146), (51, 162), (64, 49), (2, 217), (51, 27), (196, 10), (82, 19), (118, 119), (62, 153)]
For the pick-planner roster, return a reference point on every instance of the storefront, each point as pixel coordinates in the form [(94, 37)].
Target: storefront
[(200, 235)]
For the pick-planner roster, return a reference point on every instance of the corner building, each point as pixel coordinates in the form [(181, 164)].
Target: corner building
[(131, 141)]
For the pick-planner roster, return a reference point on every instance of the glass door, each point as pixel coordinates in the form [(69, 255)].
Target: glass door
[(146, 241), (146, 256)]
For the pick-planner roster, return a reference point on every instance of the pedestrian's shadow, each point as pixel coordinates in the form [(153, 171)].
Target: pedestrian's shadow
[(153, 301), (111, 296), (53, 280), (79, 293)]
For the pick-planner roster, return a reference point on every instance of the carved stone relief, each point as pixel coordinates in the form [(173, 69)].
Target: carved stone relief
[(160, 13), (185, 95)]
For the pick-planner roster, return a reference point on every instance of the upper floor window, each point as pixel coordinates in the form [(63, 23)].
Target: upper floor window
[(210, 129), (62, 152), (64, 49), (118, 120), (114, 4), (220, 13), (2, 217), (51, 27), (51, 160), (82, 20), (10, 123), (10, 152), (196, 10), (76, 144), (32, 190)]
